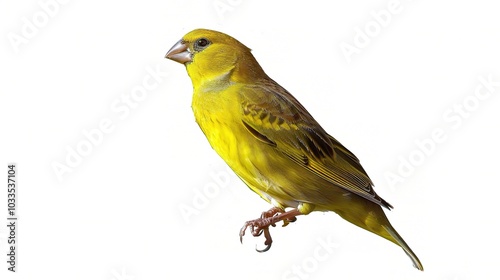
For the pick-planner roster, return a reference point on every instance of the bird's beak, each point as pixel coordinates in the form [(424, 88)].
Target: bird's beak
[(179, 52)]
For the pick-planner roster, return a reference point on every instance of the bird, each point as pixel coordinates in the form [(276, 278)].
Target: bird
[(273, 143)]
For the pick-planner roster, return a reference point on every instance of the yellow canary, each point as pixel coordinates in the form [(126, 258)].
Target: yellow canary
[(272, 142)]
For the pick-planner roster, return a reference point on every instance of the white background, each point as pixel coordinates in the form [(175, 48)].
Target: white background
[(117, 214)]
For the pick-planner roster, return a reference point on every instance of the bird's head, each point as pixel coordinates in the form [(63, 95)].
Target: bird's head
[(211, 55)]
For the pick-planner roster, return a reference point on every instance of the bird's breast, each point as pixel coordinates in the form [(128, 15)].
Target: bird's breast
[(217, 115)]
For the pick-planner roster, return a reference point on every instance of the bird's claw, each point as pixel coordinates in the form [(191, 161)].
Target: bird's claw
[(268, 218), (261, 225), (257, 227), (268, 242)]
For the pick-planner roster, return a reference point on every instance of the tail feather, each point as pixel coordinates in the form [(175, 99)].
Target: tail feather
[(416, 262), (370, 216)]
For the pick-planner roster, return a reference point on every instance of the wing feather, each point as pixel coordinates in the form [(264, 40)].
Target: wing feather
[(275, 117)]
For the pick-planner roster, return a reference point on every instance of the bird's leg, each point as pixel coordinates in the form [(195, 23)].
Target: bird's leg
[(271, 212), (275, 210), (268, 218)]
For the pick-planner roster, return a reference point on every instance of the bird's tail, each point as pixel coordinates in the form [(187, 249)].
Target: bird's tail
[(399, 241), (376, 221)]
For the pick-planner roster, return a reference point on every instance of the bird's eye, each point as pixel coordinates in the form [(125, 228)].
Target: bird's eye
[(200, 44)]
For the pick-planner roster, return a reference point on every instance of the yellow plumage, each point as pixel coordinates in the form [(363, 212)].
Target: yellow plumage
[(272, 143)]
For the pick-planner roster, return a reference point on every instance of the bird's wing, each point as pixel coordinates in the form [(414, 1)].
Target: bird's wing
[(275, 117)]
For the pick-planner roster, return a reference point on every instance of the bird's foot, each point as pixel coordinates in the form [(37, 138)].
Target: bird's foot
[(268, 218)]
